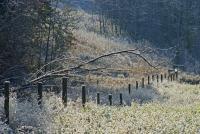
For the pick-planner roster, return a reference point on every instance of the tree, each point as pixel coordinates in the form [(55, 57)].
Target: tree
[(33, 33)]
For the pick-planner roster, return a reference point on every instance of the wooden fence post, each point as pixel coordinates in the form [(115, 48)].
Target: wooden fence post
[(148, 80), (129, 88), (137, 85), (176, 75), (6, 101), (110, 99), (161, 78), (98, 98), (83, 96), (165, 75), (153, 78), (142, 82), (157, 79), (39, 93), (64, 90), (121, 99)]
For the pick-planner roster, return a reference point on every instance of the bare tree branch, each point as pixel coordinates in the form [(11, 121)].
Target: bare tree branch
[(51, 62), (66, 71)]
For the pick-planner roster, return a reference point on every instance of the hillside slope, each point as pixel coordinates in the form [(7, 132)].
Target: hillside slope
[(91, 44), (156, 24)]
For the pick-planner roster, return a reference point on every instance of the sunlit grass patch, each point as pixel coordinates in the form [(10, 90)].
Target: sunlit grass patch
[(148, 118)]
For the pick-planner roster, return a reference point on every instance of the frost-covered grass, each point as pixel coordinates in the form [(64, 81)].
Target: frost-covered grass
[(177, 110), (149, 118)]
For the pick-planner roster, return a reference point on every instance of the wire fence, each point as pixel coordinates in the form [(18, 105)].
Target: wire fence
[(97, 95)]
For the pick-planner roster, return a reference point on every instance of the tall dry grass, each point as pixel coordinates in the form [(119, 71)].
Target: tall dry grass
[(175, 109)]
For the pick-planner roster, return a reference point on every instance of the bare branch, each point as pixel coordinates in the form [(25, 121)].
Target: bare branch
[(66, 71), (51, 62)]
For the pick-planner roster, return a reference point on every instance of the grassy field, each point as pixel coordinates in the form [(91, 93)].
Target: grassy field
[(177, 110)]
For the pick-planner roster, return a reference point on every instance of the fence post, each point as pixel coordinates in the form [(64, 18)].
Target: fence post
[(161, 78), (171, 77), (165, 75), (39, 93), (83, 96), (142, 82), (110, 99), (148, 80), (176, 75), (153, 78), (157, 79), (121, 99), (64, 90), (129, 88), (98, 98), (137, 85), (6, 101)]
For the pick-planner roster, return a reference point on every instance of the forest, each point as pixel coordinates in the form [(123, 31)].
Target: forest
[(99, 66), (163, 23)]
